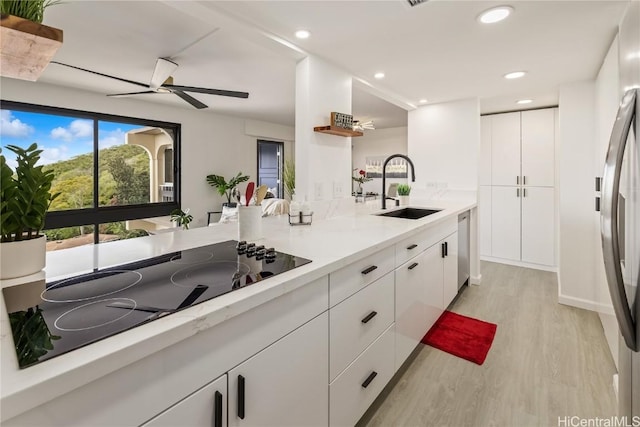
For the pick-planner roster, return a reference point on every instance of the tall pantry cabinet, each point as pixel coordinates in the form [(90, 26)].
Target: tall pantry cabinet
[(517, 187)]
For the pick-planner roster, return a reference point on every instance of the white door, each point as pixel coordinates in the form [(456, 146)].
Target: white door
[(450, 272), (505, 149), (433, 281), (485, 151), (205, 408), (411, 306), (286, 384), (538, 139), (538, 225), (484, 218), (505, 222)]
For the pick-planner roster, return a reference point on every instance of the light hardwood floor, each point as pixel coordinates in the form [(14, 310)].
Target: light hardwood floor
[(547, 361)]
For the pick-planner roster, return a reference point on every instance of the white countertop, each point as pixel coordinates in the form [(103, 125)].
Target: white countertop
[(330, 243)]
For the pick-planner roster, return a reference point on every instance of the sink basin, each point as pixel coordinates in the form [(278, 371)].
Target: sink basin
[(410, 213)]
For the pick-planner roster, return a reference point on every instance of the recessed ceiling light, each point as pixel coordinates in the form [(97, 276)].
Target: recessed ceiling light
[(496, 14), (525, 101), (379, 76), (515, 75), (423, 101), (303, 34)]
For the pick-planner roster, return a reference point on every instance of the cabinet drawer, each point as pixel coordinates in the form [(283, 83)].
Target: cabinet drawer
[(348, 396), (419, 242), (358, 321), (350, 279)]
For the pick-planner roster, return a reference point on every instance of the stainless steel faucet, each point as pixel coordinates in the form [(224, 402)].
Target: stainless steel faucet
[(384, 176)]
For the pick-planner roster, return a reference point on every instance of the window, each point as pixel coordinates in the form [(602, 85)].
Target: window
[(109, 170)]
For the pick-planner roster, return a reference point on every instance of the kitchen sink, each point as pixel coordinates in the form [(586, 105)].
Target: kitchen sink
[(410, 213)]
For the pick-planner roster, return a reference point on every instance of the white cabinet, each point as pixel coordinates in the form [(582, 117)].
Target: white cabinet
[(538, 140), (450, 270), (521, 148), (505, 149), (411, 304), (206, 407), (286, 383), (434, 279), (505, 222), (538, 225)]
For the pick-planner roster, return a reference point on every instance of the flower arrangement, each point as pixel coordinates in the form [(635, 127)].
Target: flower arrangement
[(361, 176)]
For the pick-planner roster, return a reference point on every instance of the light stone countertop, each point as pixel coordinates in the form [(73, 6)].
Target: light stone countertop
[(330, 243)]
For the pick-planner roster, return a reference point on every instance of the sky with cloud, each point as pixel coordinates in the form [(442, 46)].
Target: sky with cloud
[(60, 137)]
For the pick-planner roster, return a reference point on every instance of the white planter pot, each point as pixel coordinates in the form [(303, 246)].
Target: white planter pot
[(404, 200), (22, 258)]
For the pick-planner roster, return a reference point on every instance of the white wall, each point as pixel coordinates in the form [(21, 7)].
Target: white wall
[(607, 100), (444, 144), (211, 143), (378, 143), (576, 268), (323, 162)]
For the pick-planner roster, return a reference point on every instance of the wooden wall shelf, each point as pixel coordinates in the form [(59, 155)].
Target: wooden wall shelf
[(26, 47), (334, 130)]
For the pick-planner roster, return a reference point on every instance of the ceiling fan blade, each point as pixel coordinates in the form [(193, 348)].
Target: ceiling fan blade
[(190, 99), (208, 91), (162, 72), (131, 93), (101, 74)]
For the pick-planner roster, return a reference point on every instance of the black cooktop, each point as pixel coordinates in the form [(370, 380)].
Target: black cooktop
[(71, 313)]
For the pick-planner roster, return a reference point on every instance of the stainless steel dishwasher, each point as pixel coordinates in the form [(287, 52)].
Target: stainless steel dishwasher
[(463, 249)]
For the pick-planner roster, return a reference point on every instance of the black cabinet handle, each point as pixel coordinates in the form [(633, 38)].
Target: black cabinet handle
[(446, 248), (241, 397), (412, 247), (369, 269), (412, 266), (597, 204), (217, 410), (442, 250), (370, 378), (369, 317)]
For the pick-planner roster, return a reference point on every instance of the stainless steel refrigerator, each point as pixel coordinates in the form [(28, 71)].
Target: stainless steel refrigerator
[(620, 219)]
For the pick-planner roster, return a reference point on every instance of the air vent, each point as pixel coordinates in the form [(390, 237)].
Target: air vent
[(416, 2)]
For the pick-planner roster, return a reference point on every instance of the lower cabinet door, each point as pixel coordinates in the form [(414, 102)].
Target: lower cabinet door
[(206, 407), (353, 391), (505, 222), (411, 306), (285, 384), (434, 273), (450, 265), (538, 230)]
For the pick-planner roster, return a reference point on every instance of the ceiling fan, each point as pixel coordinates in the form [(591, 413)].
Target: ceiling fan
[(162, 82)]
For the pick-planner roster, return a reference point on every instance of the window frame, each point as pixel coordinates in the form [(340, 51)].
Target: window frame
[(97, 214)]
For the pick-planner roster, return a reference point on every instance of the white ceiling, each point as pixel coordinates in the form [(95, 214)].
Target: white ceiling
[(436, 50)]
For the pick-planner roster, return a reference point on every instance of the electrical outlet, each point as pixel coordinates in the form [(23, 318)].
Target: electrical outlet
[(319, 191), (442, 185), (338, 191), (432, 185)]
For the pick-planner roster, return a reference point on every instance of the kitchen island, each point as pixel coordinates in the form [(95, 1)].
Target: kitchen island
[(166, 367)]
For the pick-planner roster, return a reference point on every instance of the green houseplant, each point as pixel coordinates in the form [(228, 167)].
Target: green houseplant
[(224, 187), (403, 193), (182, 218), (32, 10), (25, 197)]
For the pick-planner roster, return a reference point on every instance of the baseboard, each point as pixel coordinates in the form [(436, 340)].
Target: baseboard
[(586, 304), (476, 280), (551, 268)]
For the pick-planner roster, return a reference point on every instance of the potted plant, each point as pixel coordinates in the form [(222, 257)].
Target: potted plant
[(226, 188), (21, 23), (25, 197), (403, 194), (181, 218)]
